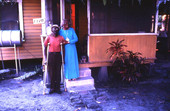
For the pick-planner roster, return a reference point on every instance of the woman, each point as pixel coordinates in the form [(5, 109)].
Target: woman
[(71, 66), (54, 59)]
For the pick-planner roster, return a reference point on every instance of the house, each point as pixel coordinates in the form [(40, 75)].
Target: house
[(96, 22)]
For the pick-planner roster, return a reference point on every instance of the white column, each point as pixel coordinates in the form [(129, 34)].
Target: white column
[(43, 16), (62, 11), (88, 15), (88, 18)]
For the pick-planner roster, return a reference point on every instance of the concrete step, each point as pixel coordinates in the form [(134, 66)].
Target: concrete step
[(80, 88), (85, 72), (81, 84)]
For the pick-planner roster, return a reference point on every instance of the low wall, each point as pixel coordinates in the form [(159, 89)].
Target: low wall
[(145, 44)]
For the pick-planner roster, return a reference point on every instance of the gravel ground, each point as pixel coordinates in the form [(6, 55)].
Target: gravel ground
[(150, 94)]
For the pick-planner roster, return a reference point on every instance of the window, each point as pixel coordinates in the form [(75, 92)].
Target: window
[(122, 16), (11, 17)]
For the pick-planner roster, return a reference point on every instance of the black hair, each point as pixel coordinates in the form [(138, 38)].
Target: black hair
[(69, 22)]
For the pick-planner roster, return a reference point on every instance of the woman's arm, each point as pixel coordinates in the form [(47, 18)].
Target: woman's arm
[(75, 38)]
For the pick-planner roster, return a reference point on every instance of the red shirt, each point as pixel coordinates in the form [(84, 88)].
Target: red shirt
[(54, 43)]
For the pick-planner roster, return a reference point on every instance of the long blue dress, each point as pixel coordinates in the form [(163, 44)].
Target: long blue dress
[(71, 66)]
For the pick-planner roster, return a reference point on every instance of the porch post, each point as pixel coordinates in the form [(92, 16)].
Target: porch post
[(43, 16), (88, 15), (62, 11), (88, 18), (103, 74), (156, 16)]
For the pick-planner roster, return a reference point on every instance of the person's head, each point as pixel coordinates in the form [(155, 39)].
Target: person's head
[(66, 24), (55, 29)]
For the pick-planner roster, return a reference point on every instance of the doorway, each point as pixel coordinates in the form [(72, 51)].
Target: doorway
[(76, 11)]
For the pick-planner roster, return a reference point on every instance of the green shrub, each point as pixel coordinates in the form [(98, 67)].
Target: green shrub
[(127, 64)]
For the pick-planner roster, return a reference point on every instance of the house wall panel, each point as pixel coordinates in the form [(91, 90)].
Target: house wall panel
[(31, 35)]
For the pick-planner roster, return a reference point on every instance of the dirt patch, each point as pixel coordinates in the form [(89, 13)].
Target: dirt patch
[(150, 94)]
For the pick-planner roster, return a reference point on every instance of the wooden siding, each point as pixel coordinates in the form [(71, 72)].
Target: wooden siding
[(145, 44), (31, 48)]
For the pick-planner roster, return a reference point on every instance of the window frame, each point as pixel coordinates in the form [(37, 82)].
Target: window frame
[(109, 34), (21, 21)]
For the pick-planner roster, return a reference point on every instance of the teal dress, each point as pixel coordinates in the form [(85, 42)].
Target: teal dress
[(71, 66)]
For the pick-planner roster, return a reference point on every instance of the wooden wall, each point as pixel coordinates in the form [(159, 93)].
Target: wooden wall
[(82, 28), (145, 44), (83, 23), (31, 48)]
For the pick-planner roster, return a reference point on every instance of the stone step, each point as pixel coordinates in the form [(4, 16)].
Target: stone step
[(85, 72), (82, 83)]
